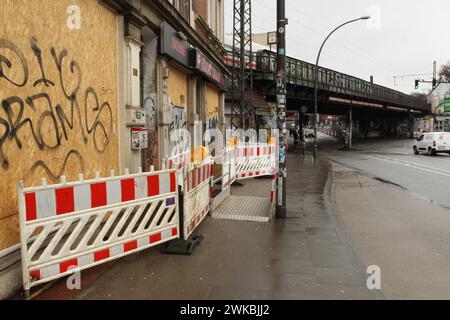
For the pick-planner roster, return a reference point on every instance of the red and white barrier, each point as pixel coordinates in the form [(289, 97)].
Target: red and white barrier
[(70, 227), (197, 196), (273, 190), (229, 167), (255, 160), (179, 161)]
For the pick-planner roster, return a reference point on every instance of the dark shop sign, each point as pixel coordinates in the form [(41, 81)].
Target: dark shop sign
[(173, 45), (203, 65)]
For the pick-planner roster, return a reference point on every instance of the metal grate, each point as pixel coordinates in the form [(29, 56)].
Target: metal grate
[(243, 208)]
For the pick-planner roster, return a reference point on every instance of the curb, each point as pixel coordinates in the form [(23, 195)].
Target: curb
[(331, 209)]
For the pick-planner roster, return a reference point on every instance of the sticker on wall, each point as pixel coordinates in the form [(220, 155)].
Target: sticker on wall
[(139, 138)]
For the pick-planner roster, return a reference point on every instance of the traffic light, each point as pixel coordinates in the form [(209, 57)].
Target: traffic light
[(434, 83), (417, 84)]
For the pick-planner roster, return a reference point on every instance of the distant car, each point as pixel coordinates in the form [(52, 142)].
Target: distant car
[(433, 143), (309, 134)]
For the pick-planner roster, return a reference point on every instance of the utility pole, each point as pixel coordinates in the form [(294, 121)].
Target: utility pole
[(280, 212)]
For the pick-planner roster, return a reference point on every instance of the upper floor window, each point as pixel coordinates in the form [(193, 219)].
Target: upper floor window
[(184, 7), (215, 17)]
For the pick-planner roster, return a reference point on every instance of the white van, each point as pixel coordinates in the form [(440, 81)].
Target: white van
[(432, 143)]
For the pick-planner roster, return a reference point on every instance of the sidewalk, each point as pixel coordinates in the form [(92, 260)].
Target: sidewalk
[(301, 257), (407, 237)]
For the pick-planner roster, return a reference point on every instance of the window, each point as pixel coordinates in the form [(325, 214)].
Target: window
[(185, 9), (215, 17)]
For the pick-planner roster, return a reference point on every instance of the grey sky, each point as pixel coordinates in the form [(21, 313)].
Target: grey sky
[(410, 35)]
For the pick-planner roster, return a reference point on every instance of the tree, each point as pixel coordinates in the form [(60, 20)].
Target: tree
[(444, 73), (421, 96)]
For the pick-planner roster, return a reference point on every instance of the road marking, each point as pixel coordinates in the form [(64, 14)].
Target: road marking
[(414, 165), (326, 137)]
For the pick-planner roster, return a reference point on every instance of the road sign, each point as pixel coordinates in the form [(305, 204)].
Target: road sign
[(272, 38)]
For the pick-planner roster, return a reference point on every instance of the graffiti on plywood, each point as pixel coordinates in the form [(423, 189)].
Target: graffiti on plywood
[(37, 118)]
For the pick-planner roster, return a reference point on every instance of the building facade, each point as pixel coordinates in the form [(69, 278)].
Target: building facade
[(96, 88), (440, 104)]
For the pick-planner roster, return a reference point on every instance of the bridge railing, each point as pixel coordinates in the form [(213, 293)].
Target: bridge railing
[(302, 73)]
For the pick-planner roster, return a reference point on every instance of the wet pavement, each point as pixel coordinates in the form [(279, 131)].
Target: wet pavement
[(302, 257), (406, 237)]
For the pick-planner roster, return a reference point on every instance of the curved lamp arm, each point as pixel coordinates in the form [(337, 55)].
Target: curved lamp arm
[(316, 80), (337, 28)]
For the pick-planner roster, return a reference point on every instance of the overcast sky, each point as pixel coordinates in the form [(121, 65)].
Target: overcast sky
[(403, 38)]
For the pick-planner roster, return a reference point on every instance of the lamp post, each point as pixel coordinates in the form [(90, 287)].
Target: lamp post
[(316, 80)]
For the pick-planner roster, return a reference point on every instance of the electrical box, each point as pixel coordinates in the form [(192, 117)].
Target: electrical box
[(139, 138), (135, 116)]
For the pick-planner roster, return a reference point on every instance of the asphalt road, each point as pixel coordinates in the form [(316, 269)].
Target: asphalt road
[(393, 161)]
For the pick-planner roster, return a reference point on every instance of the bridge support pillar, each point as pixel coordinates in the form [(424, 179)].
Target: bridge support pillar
[(412, 120), (350, 127)]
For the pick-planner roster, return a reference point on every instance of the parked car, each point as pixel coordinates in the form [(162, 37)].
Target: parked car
[(433, 143)]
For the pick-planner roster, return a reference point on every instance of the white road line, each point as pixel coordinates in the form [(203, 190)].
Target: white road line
[(412, 166), (416, 164), (325, 139)]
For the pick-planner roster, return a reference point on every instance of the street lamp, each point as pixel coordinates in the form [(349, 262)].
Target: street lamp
[(316, 80)]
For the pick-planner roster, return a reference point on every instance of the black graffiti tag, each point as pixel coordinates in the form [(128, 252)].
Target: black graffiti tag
[(4, 61), (98, 117)]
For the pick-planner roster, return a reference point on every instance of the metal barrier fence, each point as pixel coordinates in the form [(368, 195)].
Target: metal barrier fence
[(69, 227)]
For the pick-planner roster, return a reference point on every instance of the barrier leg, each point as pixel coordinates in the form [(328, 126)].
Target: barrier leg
[(183, 247)]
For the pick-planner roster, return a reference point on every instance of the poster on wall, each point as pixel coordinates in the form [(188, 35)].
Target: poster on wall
[(139, 138)]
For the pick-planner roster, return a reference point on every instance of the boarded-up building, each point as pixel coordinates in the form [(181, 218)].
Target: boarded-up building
[(78, 76)]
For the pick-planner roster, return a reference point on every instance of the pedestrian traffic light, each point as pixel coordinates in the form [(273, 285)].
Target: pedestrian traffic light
[(417, 84)]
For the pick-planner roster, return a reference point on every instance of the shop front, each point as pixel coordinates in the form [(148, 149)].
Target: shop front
[(215, 85), (176, 104)]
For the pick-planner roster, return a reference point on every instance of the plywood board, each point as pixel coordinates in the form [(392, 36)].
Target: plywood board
[(58, 93), (213, 102), (177, 87)]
